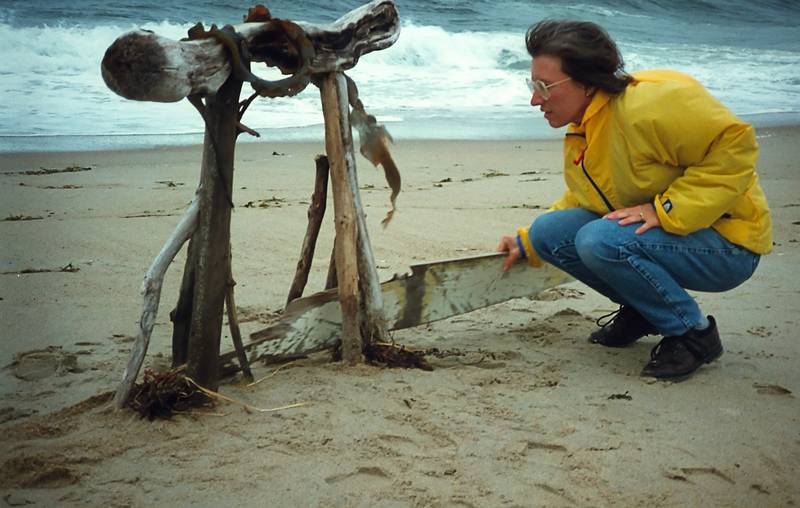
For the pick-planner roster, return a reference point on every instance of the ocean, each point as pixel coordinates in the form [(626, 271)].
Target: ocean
[(457, 70)]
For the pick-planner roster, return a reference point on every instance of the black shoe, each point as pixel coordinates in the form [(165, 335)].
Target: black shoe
[(677, 357), (625, 327)]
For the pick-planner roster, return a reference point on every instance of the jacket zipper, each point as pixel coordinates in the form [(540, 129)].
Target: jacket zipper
[(603, 196), (580, 160)]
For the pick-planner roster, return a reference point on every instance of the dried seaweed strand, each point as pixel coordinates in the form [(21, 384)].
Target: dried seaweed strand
[(270, 375), (217, 395)]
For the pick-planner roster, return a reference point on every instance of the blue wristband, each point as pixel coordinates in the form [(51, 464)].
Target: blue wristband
[(522, 253)]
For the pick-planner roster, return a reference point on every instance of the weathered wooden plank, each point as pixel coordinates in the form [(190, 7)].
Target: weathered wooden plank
[(429, 292)]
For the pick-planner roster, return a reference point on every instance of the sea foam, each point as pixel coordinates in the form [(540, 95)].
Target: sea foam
[(468, 84)]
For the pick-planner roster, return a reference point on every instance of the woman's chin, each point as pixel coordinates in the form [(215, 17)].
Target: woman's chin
[(554, 123)]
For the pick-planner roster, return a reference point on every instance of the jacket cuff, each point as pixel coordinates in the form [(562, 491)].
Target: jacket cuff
[(523, 255), (526, 249)]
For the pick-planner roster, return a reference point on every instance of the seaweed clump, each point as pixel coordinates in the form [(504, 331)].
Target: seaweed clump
[(160, 395), (392, 355)]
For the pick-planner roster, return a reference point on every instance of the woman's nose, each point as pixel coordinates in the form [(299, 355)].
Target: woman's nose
[(536, 99)]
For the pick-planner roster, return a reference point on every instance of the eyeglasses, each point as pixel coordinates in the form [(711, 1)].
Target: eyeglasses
[(538, 85)]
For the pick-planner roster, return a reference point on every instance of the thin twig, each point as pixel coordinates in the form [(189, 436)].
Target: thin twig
[(248, 407), (270, 375), (233, 322), (240, 127), (245, 104)]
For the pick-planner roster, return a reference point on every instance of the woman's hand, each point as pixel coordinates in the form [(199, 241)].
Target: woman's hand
[(645, 213), (509, 244)]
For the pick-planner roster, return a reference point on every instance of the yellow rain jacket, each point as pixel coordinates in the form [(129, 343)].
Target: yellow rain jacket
[(666, 140)]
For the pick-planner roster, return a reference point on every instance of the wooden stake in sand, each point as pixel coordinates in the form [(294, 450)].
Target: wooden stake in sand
[(316, 212), (373, 325), (208, 259), (345, 218), (233, 322)]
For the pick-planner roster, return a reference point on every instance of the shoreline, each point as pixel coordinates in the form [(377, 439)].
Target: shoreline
[(532, 128), (7, 158)]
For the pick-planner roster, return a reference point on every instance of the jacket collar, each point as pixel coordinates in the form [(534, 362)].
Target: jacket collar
[(599, 101)]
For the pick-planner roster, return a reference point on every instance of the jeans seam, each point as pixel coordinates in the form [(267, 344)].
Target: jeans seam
[(560, 246), (631, 261), (646, 249), (683, 249)]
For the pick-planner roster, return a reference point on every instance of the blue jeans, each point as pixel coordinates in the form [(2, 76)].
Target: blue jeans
[(649, 272)]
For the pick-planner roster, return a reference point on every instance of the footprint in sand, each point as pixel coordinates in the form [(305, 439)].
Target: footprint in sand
[(685, 473), (42, 363), (558, 293), (9, 414), (542, 334), (770, 389), (760, 331), (38, 471), (395, 444), (369, 471)]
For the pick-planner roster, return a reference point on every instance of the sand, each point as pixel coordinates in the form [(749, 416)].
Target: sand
[(519, 410)]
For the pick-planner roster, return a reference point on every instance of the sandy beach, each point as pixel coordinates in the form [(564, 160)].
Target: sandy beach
[(520, 410)]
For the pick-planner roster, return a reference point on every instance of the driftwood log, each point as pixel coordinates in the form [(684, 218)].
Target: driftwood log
[(144, 66), (196, 337)]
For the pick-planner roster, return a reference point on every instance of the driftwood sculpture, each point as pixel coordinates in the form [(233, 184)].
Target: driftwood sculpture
[(208, 68), (142, 65)]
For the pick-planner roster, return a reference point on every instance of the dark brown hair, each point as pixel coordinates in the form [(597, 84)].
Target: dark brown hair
[(588, 54)]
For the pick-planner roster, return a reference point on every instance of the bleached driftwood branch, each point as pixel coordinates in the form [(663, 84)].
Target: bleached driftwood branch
[(141, 65), (233, 322), (316, 212), (344, 211), (374, 323), (371, 27), (152, 296)]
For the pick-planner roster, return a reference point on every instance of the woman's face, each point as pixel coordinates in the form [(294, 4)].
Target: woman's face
[(568, 100)]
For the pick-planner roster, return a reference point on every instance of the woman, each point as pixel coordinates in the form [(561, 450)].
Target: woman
[(662, 194)]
